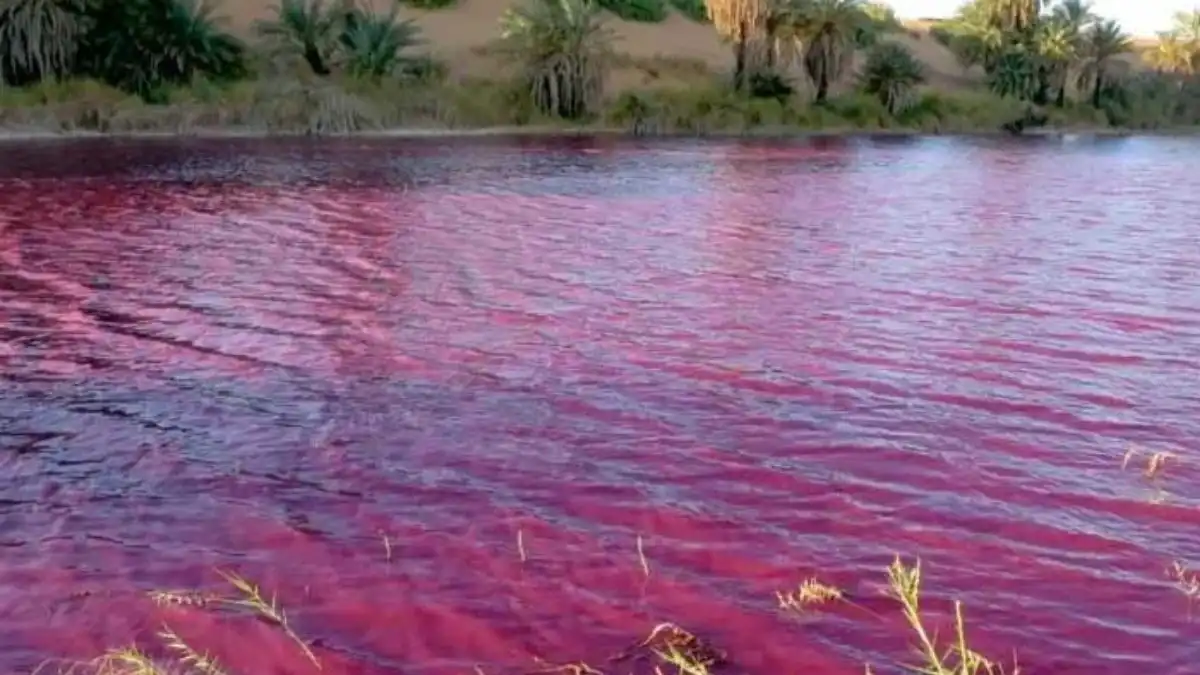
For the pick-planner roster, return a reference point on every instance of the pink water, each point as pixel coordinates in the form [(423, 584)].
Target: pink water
[(767, 360)]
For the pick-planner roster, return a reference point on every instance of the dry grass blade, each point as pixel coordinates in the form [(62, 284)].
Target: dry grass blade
[(184, 598), (677, 647), (810, 593), (642, 557), (1156, 463), (194, 660), (269, 610), (387, 548), (521, 545), (1129, 455), (577, 668), (959, 659), (126, 661), (1187, 581)]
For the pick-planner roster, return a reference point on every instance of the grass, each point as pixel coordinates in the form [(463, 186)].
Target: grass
[(810, 593), (958, 658), (668, 648), (680, 98)]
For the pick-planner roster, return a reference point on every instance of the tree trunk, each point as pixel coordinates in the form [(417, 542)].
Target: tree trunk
[(739, 55), (822, 85), (1096, 89)]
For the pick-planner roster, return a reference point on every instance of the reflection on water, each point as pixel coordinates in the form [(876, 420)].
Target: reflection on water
[(767, 359)]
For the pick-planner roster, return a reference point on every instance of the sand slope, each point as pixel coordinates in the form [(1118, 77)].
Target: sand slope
[(461, 35)]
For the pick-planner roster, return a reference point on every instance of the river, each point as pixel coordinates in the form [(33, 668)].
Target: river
[(485, 401)]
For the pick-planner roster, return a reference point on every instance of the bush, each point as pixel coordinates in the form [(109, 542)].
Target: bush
[(891, 74), (563, 49), (38, 40), (770, 85), (373, 44), (326, 38), (642, 11), (145, 46)]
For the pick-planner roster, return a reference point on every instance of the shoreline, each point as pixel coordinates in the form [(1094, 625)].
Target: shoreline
[(19, 135)]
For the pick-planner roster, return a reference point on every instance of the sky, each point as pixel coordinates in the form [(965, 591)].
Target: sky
[(1142, 18)]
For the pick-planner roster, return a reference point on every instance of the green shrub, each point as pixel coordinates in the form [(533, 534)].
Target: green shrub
[(891, 74), (642, 11), (145, 46), (695, 10), (563, 49), (38, 39), (374, 44)]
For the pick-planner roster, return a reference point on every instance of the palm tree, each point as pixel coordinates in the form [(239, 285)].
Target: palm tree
[(1013, 16), (375, 43), (1187, 29), (307, 28), (1172, 55), (38, 39), (142, 46), (891, 73), (829, 29), (563, 47), (781, 30), (1070, 18), (1103, 42), (1056, 43), (741, 22), (1075, 13), (1187, 26)]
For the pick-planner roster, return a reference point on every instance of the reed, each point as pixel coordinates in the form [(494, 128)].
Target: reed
[(251, 598), (641, 550), (1187, 582), (194, 660), (810, 593), (956, 659), (1155, 461)]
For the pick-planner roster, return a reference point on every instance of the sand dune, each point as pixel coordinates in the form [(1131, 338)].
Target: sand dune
[(461, 35)]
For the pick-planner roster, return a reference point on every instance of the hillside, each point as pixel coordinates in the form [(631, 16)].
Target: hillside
[(674, 51)]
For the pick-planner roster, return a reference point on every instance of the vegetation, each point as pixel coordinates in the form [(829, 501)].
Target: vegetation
[(668, 647), (1064, 53), (334, 66)]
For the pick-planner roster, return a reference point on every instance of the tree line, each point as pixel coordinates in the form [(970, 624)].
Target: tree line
[(1050, 55)]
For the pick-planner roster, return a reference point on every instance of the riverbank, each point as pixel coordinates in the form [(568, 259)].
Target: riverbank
[(314, 107)]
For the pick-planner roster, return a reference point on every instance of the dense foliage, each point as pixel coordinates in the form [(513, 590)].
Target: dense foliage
[(1046, 62), (1049, 55)]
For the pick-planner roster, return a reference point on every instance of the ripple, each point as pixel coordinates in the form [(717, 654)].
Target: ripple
[(765, 359)]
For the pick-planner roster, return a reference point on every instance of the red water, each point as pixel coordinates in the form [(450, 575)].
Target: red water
[(767, 360)]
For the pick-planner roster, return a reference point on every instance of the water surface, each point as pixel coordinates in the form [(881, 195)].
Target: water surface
[(768, 360)]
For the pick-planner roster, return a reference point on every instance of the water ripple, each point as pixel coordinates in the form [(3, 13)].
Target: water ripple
[(766, 359)]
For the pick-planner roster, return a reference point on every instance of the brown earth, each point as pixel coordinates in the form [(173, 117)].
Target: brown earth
[(677, 51)]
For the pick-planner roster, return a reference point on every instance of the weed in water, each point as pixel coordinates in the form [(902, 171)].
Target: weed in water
[(269, 610), (126, 661), (189, 657), (674, 646), (1154, 464), (387, 548), (642, 557), (184, 598), (577, 668), (810, 593), (1187, 581), (959, 659)]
